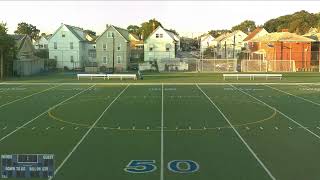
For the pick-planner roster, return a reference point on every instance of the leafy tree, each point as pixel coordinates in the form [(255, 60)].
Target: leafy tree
[(298, 22), (173, 31), (6, 48), (134, 29), (245, 26), (148, 27), (29, 29), (216, 33), (91, 33)]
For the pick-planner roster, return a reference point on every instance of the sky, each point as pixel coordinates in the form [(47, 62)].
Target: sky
[(188, 18)]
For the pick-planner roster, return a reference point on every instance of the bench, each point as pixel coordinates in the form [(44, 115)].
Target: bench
[(91, 75), (122, 76), (108, 76), (252, 76)]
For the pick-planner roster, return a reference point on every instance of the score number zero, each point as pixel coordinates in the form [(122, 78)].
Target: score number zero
[(176, 166)]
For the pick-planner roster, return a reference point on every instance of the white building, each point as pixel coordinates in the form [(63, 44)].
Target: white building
[(42, 43), (230, 44), (71, 47), (207, 41), (161, 44)]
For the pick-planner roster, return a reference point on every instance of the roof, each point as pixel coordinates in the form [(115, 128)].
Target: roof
[(19, 39), (123, 32), (77, 31), (205, 36), (313, 34), (135, 36), (222, 36), (171, 34), (281, 37), (253, 34)]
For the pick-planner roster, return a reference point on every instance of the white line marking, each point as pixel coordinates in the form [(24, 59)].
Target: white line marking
[(4, 128), (240, 137), (47, 128), (162, 137), (25, 97), (247, 128), (290, 128), (44, 113), (318, 127), (317, 136), (87, 133), (299, 97), (261, 128), (33, 128), (62, 128), (276, 128), (76, 128)]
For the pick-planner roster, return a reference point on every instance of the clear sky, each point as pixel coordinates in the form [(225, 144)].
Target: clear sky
[(186, 17)]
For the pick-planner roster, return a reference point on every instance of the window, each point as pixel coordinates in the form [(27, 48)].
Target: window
[(92, 53), (150, 49), (118, 59), (104, 46), (55, 45), (161, 35), (104, 60), (157, 35), (110, 34), (119, 47), (71, 45), (71, 59), (167, 49), (46, 46), (56, 58), (63, 35)]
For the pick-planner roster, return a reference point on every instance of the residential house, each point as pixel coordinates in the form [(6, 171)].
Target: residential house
[(42, 43), (25, 62), (72, 47), (113, 48), (314, 34), (250, 52), (136, 46), (229, 45), (284, 45), (161, 44), (207, 41)]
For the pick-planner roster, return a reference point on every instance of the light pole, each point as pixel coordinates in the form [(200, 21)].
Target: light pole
[(113, 53)]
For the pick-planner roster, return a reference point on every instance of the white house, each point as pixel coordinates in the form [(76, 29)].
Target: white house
[(230, 44), (71, 47), (207, 41), (161, 44), (42, 43)]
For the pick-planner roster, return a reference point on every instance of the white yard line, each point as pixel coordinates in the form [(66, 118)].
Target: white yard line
[(299, 97), (303, 127), (25, 97), (87, 133), (162, 136), (44, 113), (240, 137)]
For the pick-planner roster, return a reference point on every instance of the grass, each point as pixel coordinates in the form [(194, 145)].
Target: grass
[(275, 129)]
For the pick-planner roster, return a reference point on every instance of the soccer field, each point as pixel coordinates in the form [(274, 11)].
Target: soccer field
[(166, 131)]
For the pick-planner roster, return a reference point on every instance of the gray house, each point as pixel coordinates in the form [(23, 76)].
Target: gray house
[(113, 47)]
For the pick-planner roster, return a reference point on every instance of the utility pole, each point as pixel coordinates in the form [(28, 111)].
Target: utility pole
[(234, 45), (113, 53), (225, 49), (1, 63)]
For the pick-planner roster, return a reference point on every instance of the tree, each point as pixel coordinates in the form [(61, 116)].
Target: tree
[(134, 29), (6, 47), (298, 22), (217, 33), (29, 29), (91, 33), (148, 27), (245, 26), (173, 31)]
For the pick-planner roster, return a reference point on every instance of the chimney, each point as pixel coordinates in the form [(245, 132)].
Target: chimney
[(107, 25), (284, 30)]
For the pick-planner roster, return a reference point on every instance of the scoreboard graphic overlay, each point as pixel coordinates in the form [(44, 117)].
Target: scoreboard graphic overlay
[(27, 166)]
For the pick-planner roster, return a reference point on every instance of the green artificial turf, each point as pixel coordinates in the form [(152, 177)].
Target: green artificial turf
[(94, 131)]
